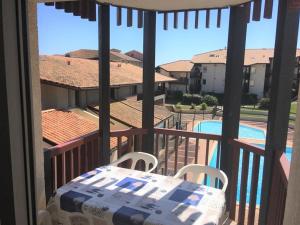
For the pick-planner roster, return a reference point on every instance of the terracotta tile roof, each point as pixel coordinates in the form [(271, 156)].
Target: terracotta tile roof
[(118, 55), (83, 73), (60, 126), (135, 54), (83, 54), (93, 54), (160, 112), (129, 112), (252, 56), (178, 66)]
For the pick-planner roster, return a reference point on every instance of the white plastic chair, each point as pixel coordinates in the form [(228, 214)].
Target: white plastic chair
[(196, 170), (135, 157), (44, 218)]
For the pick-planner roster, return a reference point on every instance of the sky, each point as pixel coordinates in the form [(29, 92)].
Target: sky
[(61, 32)]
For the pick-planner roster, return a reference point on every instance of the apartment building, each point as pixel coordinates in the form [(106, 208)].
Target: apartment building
[(206, 72)]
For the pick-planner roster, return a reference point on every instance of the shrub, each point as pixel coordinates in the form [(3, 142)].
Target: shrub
[(210, 100), (178, 105), (193, 106), (249, 99), (188, 99), (178, 95), (196, 99), (264, 103), (203, 106), (219, 96)]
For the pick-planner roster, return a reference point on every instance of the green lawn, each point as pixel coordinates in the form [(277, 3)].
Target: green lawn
[(294, 107), (252, 108)]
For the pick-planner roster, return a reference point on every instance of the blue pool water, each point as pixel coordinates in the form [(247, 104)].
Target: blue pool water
[(213, 163), (215, 127)]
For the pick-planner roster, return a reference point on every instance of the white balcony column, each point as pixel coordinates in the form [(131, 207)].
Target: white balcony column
[(292, 208)]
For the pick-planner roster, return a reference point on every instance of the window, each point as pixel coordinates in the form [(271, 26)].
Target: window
[(204, 81), (204, 69)]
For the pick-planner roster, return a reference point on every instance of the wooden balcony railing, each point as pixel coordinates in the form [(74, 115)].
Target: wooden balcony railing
[(66, 161), (278, 189), (240, 147), (248, 212), (175, 149)]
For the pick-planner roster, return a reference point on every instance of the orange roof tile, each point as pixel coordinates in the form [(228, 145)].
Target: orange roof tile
[(83, 73), (178, 66), (93, 54), (252, 56), (61, 126), (129, 112)]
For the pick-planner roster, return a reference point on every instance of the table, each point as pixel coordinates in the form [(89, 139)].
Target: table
[(116, 196)]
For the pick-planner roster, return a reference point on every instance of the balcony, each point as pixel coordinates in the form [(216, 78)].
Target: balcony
[(175, 149)]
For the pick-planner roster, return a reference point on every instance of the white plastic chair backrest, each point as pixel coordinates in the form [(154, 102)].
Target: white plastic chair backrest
[(196, 170), (135, 157), (44, 218)]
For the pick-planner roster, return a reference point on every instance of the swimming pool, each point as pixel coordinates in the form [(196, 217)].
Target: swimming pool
[(213, 163), (215, 127)]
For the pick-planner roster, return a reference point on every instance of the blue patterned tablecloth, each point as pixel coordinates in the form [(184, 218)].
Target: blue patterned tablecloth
[(117, 196)]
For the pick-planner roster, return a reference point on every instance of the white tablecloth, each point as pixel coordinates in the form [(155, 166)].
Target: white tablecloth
[(117, 196)]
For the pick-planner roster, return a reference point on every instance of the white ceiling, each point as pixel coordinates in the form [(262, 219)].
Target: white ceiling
[(173, 5)]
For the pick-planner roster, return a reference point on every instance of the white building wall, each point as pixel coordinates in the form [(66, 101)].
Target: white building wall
[(214, 75), (257, 80), (177, 87), (56, 97), (92, 97), (124, 92)]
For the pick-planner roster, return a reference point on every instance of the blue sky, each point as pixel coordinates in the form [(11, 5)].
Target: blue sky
[(60, 32)]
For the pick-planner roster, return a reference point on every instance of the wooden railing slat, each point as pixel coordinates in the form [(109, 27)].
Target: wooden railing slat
[(206, 159), (243, 193), (176, 154), (186, 149), (234, 179), (54, 167), (166, 154), (86, 158), (72, 164), (196, 150), (79, 161), (156, 148), (254, 184), (63, 165), (188, 134)]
